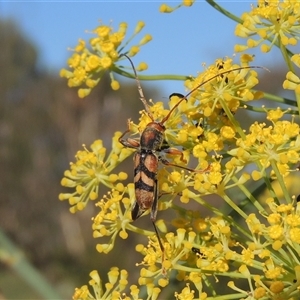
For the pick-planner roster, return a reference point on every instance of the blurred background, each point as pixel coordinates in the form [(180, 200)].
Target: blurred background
[(43, 123)]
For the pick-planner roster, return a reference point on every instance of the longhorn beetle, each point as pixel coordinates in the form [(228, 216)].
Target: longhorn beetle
[(146, 157)]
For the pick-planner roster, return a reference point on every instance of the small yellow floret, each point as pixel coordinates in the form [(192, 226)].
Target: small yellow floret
[(93, 195), (113, 178), (65, 73), (142, 66), (115, 85), (276, 287), (106, 62), (163, 282), (188, 2), (295, 235), (83, 92), (123, 27), (147, 38), (93, 62), (275, 231), (277, 245), (108, 46), (103, 31), (91, 83), (296, 60), (140, 25), (256, 175), (260, 292), (164, 8), (264, 48), (133, 50), (240, 48), (227, 132), (175, 177), (123, 234)]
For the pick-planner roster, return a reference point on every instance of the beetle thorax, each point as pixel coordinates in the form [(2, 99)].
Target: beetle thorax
[(152, 137)]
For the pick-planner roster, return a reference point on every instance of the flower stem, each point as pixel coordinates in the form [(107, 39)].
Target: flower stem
[(264, 109), (251, 195), (279, 99), (151, 77), (234, 206), (224, 11), (281, 182), (14, 258)]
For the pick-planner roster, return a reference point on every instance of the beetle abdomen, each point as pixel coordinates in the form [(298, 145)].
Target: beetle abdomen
[(145, 169)]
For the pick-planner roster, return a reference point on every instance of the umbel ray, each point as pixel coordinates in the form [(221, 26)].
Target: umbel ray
[(146, 159)]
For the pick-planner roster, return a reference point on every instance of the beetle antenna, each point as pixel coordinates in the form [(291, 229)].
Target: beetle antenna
[(204, 82), (142, 97)]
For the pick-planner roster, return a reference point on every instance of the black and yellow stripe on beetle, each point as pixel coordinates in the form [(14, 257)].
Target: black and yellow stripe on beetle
[(145, 183)]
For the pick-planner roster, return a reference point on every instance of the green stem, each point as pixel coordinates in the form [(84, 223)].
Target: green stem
[(298, 102), (281, 182), (227, 297), (202, 202), (151, 77), (292, 253), (264, 109), (284, 257), (232, 119), (220, 213), (139, 230), (250, 195), (267, 180), (286, 57), (234, 206), (279, 99), (209, 272), (224, 11), (14, 258)]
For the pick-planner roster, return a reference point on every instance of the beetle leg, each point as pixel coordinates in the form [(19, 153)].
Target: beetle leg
[(129, 143), (167, 163), (136, 212), (174, 151)]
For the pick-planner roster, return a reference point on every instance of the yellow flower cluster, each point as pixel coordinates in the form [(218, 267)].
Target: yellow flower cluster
[(265, 252), (114, 216), (273, 247), (89, 62), (113, 289), (274, 22), (91, 169), (277, 145), (222, 95)]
